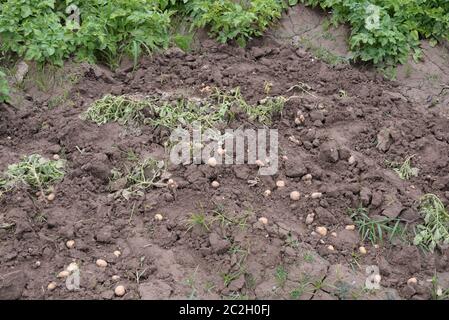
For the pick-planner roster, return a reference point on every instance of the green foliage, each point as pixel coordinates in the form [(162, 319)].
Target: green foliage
[(387, 31), (122, 109), (4, 88), (435, 230), (261, 112), (374, 230), (405, 170), (234, 20), (383, 32), (33, 171), (39, 30)]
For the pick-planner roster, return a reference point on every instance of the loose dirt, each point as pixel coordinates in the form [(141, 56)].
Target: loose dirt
[(348, 113)]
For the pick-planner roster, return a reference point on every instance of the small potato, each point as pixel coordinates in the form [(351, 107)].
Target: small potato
[(72, 267), (330, 248), (362, 250), (334, 234), (295, 195), (63, 274), (215, 184), (70, 244), (51, 197), (120, 291), (412, 281), (316, 195), (322, 231), (263, 220), (115, 278), (350, 227), (212, 162), (280, 184), (158, 217), (101, 263), (117, 253), (56, 157), (267, 193), (51, 286)]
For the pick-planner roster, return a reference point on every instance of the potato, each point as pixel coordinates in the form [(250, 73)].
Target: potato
[(263, 220), (101, 263), (316, 195), (51, 197), (212, 162), (63, 274), (322, 231), (56, 157), (295, 195), (115, 278), (51, 286), (362, 250), (70, 244), (330, 248), (215, 184), (267, 193), (120, 291), (280, 184), (117, 253), (350, 227), (72, 267), (412, 281), (158, 217)]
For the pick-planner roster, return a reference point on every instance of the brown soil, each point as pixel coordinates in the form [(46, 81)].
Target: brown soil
[(166, 259)]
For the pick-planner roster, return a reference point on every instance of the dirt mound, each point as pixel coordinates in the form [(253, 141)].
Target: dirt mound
[(353, 122)]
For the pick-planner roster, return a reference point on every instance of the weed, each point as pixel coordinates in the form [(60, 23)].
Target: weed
[(303, 287), (226, 219), (198, 219), (236, 296), (354, 263), (191, 282), (40, 218), (308, 257), (33, 171), (435, 230), (405, 170), (292, 241), (438, 293), (374, 229), (281, 276)]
